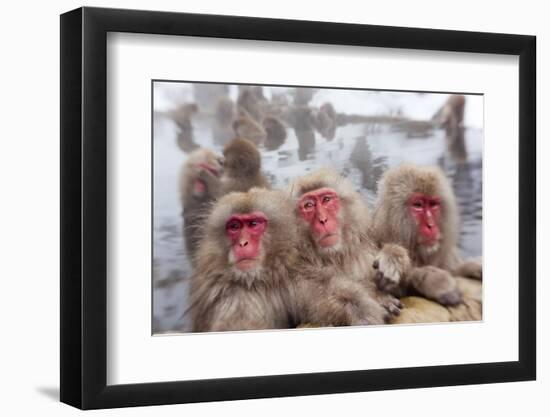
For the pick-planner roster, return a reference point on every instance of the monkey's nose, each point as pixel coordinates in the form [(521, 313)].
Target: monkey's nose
[(243, 243), (322, 220)]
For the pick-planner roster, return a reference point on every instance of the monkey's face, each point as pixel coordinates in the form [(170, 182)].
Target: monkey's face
[(245, 233), (320, 209), (425, 210)]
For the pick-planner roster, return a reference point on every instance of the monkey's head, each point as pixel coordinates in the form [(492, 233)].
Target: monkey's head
[(420, 208), (242, 158), (202, 162), (248, 233), (331, 214)]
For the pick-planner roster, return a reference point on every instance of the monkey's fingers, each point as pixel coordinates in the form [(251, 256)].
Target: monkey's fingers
[(394, 309)]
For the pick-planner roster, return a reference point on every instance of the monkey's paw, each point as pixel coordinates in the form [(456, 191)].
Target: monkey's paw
[(470, 269), (393, 307), (391, 264), (440, 286)]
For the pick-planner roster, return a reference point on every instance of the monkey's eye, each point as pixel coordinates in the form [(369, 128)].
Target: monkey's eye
[(254, 223), (417, 204), (327, 198), (233, 225), (434, 204), (308, 205)]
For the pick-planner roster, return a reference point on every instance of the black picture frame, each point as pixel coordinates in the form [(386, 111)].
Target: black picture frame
[(84, 207)]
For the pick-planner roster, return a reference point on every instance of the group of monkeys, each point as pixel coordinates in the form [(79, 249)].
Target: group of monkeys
[(314, 254)]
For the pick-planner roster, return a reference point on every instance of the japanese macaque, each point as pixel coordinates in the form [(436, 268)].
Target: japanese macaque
[(225, 114), (362, 159), (252, 100), (302, 96), (335, 277), (242, 167), (246, 127), (302, 119), (242, 279), (275, 131), (199, 185), (207, 176), (182, 117), (326, 121), (416, 209), (451, 117)]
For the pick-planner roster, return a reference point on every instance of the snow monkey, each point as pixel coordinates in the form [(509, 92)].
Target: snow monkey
[(335, 277), (242, 278), (207, 177), (199, 185), (416, 209), (242, 167), (451, 117)]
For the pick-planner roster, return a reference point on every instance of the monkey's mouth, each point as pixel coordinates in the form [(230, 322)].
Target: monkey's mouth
[(328, 240), (429, 241), (246, 264)]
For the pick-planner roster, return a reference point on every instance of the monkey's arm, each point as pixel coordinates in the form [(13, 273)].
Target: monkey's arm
[(349, 303), (392, 263), (469, 269), (433, 283)]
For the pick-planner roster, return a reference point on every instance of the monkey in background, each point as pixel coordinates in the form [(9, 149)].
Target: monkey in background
[(242, 279), (275, 132), (246, 127), (302, 96), (199, 185), (225, 115), (416, 209), (451, 117), (207, 177), (326, 121), (252, 100), (242, 167), (335, 278), (182, 117)]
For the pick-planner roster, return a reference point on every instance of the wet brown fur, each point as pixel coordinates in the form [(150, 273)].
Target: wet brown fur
[(431, 274), (335, 286), (194, 204), (242, 167), (222, 298)]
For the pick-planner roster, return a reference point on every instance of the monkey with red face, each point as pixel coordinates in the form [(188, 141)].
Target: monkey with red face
[(416, 209), (335, 285), (242, 279)]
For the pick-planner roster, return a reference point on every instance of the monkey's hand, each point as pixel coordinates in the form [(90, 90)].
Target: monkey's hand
[(436, 284), (391, 304), (391, 264), (212, 182), (470, 269)]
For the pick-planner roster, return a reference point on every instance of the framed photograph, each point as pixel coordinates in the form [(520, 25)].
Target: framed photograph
[(256, 208)]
